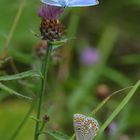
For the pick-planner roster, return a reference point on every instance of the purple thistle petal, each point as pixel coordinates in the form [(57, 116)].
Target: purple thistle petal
[(50, 12), (89, 56), (112, 129)]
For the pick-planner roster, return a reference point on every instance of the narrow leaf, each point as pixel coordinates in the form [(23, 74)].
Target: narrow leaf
[(57, 135), (57, 44), (119, 108), (21, 75), (22, 123), (106, 100), (11, 91), (116, 77), (61, 42)]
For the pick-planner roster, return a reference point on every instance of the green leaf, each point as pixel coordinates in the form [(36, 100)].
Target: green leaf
[(11, 91), (56, 44), (30, 73), (119, 108), (57, 135), (116, 77), (106, 100), (130, 59)]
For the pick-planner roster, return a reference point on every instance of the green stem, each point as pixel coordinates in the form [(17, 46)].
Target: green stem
[(43, 89), (22, 123), (14, 25)]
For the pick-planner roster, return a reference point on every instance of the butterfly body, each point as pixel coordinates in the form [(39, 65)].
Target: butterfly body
[(70, 3)]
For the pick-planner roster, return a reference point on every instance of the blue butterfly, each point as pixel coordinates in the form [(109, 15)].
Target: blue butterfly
[(70, 3)]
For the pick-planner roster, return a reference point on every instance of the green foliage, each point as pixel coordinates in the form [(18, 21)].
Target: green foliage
[(57, 135), (119, 107), (73, 87), (11, 91), (11, 115), (25, 74)]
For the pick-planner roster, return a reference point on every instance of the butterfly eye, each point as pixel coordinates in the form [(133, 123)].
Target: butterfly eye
[(78, 128)]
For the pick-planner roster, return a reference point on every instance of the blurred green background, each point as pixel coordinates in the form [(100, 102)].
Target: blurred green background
[(112, 28)]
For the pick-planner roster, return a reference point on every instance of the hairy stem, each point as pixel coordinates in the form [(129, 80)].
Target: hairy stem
[(43, 89)]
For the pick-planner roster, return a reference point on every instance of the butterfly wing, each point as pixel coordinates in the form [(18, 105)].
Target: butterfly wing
[(78, 121), (91, 128), (80, 3), (51, 2), (85, 127)]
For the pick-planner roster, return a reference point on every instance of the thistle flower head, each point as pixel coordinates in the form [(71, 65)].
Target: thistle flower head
[(50, 12), (51, 28)]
